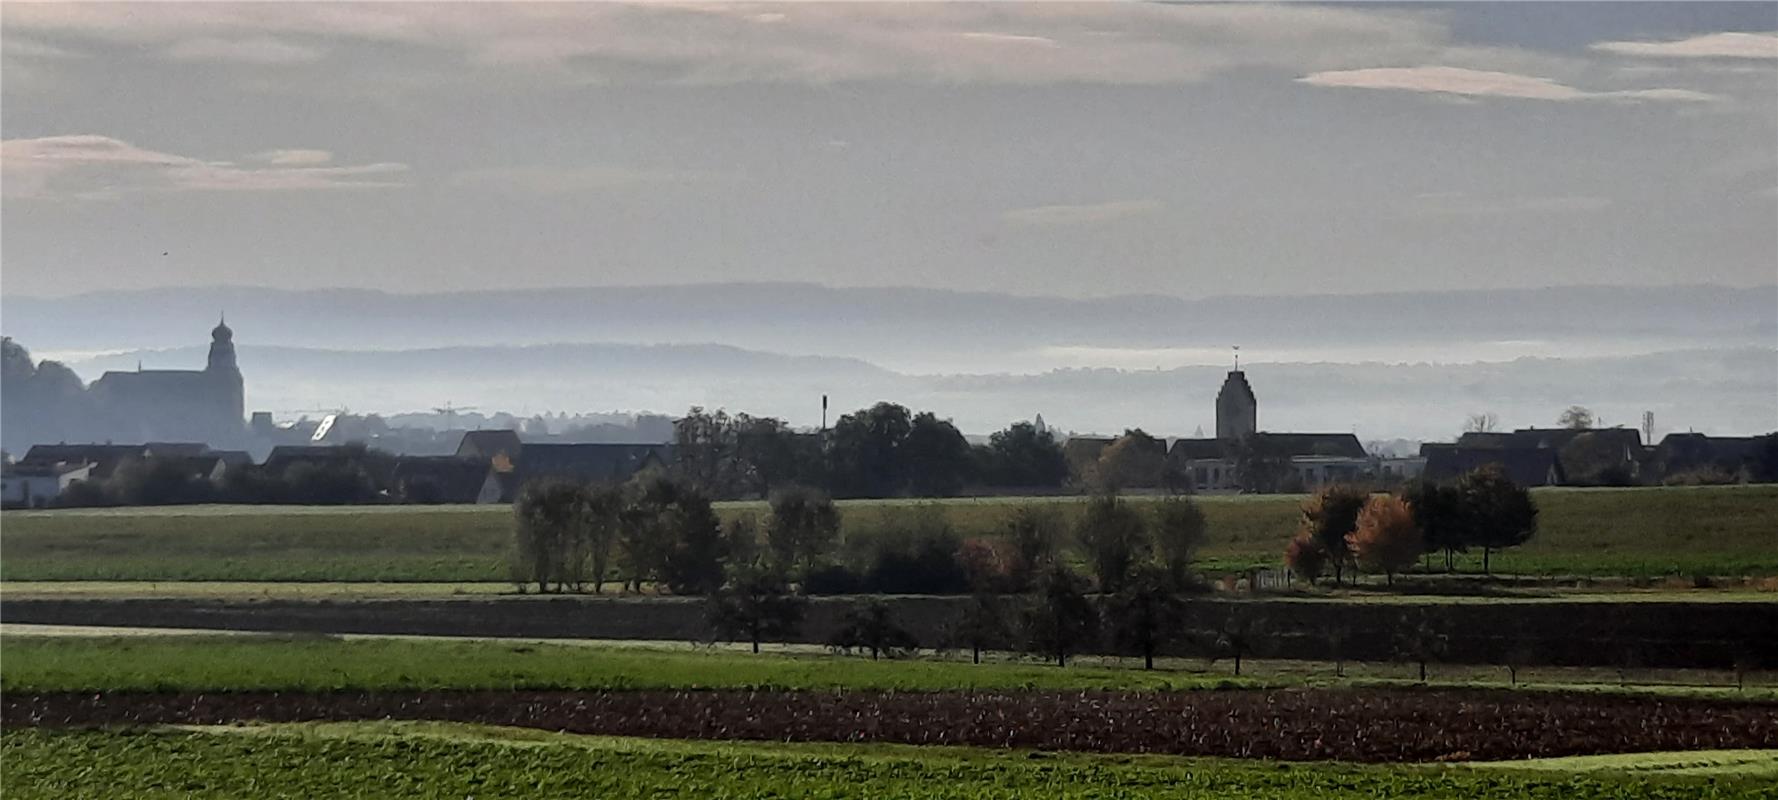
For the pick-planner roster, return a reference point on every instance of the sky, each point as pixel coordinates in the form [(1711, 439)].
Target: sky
[(1074, 150)]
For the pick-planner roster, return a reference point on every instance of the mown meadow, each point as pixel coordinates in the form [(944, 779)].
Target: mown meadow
[(1638, 533)]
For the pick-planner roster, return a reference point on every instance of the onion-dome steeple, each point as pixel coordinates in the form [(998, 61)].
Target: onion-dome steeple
[(222, 346)]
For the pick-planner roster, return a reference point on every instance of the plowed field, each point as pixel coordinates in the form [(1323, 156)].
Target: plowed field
[(1392, 725)]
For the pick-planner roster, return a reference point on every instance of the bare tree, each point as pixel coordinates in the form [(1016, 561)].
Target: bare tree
[(1481, 422)]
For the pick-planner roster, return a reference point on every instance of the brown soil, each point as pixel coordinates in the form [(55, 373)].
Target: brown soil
[(1303, 724)]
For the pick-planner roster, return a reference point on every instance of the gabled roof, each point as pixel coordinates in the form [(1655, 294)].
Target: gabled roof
[(613, 463), (1475, 439), (1681, 451), (1194, 449), (1308, 444), (55, 470), (174, 449), (489, 443), (1558, 438), (1526, 467), (439, 479), (285, 455), (105, 458)]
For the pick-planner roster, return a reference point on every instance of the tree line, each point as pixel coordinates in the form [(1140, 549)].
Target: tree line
[(887, 450), (1347, 529)]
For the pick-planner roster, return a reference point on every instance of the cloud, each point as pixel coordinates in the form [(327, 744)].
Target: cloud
[(92, 166), (1081, 214), (293, 157), (1125, 43), (571, 180), (1715, 45), (1482, 83), (1460, 204), (251, 50)]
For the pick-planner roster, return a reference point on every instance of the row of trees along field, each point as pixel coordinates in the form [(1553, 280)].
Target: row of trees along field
[(886, 450), (1348, 529), (1024, 594)]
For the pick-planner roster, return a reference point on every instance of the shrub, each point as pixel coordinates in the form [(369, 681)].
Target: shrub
[(985, 564), (832, 579), (1305, 557), (870, 628)]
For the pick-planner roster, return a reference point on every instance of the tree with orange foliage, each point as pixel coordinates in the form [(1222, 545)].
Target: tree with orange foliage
[(1386, 539)]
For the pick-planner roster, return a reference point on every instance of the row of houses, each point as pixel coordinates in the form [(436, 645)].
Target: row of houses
[(1565, 456)]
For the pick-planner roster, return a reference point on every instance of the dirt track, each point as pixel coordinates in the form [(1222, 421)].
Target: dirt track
[(1311, 724)]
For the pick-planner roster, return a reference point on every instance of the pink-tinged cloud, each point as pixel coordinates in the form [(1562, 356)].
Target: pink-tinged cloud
[(87, 165), (1482, 83), (1715, 45)]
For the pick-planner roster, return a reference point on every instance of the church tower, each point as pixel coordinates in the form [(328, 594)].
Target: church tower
[(229, 394), (1237, 413)]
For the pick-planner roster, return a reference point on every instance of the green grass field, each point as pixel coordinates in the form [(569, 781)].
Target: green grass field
[(436, 760), (1649, 532), (247, 662)]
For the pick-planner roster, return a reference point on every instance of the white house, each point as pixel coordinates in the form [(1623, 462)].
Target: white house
[(39, 485)]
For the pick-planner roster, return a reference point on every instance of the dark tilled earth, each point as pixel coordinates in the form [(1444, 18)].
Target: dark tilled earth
[(1381, 725)]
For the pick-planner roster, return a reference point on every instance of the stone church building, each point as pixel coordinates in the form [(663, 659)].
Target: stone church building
[(204, 405)]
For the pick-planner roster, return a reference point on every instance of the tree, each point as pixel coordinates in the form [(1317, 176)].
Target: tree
[(1500, 513), (1420, 637), (601, 518), (1330, 514), (1576, 418), (1337, 635), (1059, 620), (1033, 532), (935, 457), (979, 627), (1483, 422), (1438, 512), (544, 519), (1114, 537), (756, 606), (1022, 456), (866, 452), (1305, 557), (1241, 634), (1386, 539), (802, 529), (694, 550), (870, 627), (1135, 460), (704, 450), (1180, 529), (1145, 614)]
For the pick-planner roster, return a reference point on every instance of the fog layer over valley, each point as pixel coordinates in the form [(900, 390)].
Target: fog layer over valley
[(1386, 365)]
